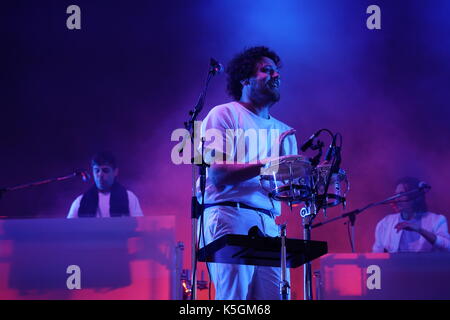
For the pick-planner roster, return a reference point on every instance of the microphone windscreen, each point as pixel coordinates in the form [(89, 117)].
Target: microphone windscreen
[(424, 185)]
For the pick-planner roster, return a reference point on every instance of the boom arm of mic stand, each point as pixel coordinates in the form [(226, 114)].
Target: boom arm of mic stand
[(189, 125), (200, 103), (353, 213), (37, 183)]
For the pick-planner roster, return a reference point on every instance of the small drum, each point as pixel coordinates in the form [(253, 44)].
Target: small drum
[(337, 189), (288, 178)]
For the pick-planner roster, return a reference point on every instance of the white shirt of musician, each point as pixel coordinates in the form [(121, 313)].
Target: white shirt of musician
[(234, 116), (103, 206), (387, 239)]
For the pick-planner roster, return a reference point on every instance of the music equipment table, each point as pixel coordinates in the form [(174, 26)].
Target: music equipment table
[(376, 276), (261, 251), (117, 258)]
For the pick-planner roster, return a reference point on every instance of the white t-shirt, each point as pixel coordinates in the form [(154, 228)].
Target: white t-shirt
[(256, 139), (388, 239), (103, 206)]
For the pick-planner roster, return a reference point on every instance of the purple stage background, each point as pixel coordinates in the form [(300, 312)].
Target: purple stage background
[(128, 78)]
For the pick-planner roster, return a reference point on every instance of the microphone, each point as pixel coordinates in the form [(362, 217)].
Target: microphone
[(331, 151), (309, 142), (216, 67), (423, 186), (85, 176)]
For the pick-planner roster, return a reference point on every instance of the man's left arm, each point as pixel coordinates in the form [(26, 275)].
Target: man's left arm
[(409, 226), (135, 208), (428, 235), (289, 145), (73, 212), (438, 237), (441, 233)]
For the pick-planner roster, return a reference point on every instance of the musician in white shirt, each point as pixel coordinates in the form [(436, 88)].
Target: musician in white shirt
[(413, 228), (106, 198)]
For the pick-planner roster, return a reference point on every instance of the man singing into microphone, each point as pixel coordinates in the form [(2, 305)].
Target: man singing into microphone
[(107, 198), (235, 200), (413, 229)]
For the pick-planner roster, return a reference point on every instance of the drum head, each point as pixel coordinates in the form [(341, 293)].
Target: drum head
[(287, 179), (285, 167)]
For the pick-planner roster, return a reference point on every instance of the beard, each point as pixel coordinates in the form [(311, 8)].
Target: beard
[(265, 94), (271, 94)]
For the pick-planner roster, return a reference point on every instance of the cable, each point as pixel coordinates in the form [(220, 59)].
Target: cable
[(202, 229), (340, 139), (329, 132), (350, 236), (202, 234)]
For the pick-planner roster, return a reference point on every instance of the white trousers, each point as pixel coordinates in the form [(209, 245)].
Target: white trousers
[(241, 282)]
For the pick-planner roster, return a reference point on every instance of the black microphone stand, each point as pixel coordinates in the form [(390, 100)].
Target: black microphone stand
[(196, 207), (82, 174), (313, 209)]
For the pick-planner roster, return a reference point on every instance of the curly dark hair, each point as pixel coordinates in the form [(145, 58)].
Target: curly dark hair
[(243, 66), (104, 158)]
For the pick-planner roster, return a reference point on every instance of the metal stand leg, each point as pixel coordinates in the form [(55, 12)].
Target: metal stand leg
[(318, 285), (353, 238), (179, 281), (307, 269), (352, 220), (194, 260), (284, 283)]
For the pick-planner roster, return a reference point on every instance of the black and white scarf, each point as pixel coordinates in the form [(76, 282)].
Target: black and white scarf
[(118, 202)]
